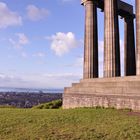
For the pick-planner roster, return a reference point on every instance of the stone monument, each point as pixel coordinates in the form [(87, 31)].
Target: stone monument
[(112, 90)]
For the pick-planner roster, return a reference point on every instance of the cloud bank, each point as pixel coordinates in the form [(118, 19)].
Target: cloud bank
[(34, 13), (8, 17)]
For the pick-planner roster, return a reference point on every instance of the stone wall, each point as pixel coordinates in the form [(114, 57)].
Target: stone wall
[(117, 92), (90, 100)]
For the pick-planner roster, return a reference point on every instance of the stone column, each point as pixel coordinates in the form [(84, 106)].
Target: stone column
[(138, 36), (129, 47), (91, 40), (111, 39)]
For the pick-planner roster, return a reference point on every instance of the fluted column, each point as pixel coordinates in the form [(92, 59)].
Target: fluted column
[(111, 39), (138, 36), (91, 40), (129, 47)]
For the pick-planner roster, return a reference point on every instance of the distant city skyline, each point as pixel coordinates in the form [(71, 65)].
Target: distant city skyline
[(41, 42)]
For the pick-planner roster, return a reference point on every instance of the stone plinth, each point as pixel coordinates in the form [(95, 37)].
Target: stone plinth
[(118, 92)]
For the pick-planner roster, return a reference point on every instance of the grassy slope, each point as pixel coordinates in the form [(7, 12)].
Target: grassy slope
[(83, 124)]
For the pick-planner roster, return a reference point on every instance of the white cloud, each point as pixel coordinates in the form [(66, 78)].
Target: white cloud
[(53, 79), (21, 40), (8, 17), (64, 76), (38, 80), (34, 13), (8, 80), (63, 42)]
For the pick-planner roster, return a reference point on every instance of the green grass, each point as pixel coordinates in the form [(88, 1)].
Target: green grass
[(56, 104), (74, 124)]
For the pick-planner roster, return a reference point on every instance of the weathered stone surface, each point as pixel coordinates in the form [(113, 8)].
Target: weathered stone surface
[(86, 100), (104, 92), (91, 40), (111, 39)]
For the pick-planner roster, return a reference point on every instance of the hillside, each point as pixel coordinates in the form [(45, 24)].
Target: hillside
[(74, 124)]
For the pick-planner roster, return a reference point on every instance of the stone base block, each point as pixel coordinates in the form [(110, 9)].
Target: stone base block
[(120, 93)]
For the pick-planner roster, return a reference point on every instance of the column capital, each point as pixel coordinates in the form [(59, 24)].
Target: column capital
[(84, 1)]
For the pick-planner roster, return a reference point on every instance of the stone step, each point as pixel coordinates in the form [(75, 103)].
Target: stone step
[(104, 95), (134, 84), (137, 96), (113, 79), (104, 90)]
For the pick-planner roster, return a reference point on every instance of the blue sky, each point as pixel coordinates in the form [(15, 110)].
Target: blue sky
[(41, 42)]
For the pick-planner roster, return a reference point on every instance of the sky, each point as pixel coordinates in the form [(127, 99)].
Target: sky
[(41, 42)]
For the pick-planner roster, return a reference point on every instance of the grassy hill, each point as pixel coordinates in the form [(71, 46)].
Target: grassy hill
[(74, 124)]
